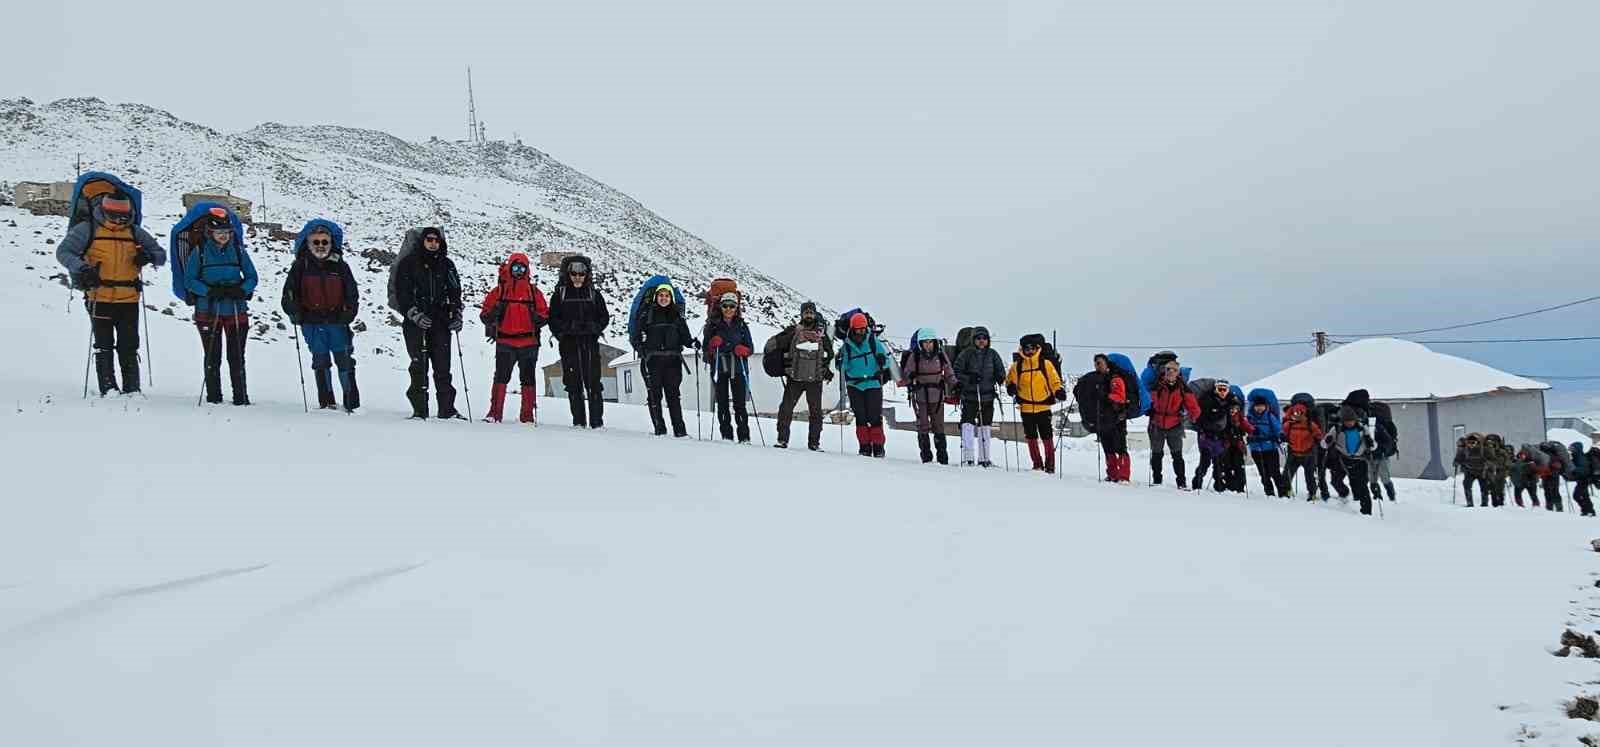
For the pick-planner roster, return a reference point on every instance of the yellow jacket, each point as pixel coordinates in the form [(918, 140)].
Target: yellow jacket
[(1036, 382)]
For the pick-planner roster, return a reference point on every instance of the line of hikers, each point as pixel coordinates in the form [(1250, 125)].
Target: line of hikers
[(1489, 462), (105, 251)]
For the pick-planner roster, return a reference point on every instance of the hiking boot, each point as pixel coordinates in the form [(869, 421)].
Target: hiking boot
[(781, 445), (940, 452), (1155, 470), (130, 372), (986, 464), (814, 448), (925, 447), (877, 451), (497, 404), (105, 374)]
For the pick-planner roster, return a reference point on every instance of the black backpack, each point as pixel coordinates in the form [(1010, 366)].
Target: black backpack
[(775, 354)]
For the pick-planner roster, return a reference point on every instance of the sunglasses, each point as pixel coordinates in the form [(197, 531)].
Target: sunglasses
[(519, 269), (580, 274), (1030, 347), (730, 305), (321, 242)]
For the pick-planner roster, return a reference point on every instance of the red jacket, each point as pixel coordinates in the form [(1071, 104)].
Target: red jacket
[(517, 304), (1168, 403), (1301, 431)]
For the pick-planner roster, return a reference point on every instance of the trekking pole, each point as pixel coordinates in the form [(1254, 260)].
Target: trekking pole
[(144, 311), (301, 365), (89, 304), (1098, 477), (466, 387), (1454, 471), (838, 409), (749, 391), (697, 411)]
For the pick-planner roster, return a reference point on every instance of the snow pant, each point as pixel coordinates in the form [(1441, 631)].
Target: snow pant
[(1232, 466), (1267, 469), (1037, 426), (930, 431), (115, 327), (730, 389), (1552, 493), (1114, 442), (1497, 489), (1467, 479), (1162, 439), (219, 333), (1531, 488), (525, 360), (429, 347), (867, 406), (1306, 463), (1580, 496), (663, 379), (1212, 449), (977, 430), (1357, 469), (1378, 473), (1332, 464), (792, 390), (332, 344), (580, 375)]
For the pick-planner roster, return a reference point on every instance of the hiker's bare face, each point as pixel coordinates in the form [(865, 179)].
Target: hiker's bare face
[(579, 278), (664, 299), (321, 245), (221, 237), (1101, 366), (927, 346), (431, 243)]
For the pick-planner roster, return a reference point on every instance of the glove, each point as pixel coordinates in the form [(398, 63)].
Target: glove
[(455, 324), (827, 375), (141, 258), (418, 318), (693, 343), (1011, 390), (716, 342), (88, 277), (490, 332), (741, 351), (884, 377), (1061, 395)]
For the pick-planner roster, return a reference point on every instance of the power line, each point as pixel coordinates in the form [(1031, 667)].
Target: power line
[(1489, 341), (1169, 346), (1474, 324)]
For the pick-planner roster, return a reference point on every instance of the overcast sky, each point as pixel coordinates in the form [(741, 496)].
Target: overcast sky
[(1125, 173)]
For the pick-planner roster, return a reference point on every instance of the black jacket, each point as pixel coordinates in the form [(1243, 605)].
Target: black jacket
[(661, 331), (333, 277), (427, 281), (979, 371), (578, 312), (1214, 413)]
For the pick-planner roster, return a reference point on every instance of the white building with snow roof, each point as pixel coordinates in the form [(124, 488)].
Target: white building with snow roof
[(1434, 397)]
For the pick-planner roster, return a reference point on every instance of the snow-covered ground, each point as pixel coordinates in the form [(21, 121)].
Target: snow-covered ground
[(179, 575)]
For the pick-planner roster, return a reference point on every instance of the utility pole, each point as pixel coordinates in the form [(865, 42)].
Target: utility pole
[(263, 201), (80, 165), (1322, 342)]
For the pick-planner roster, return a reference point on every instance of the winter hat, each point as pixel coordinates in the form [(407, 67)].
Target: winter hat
[(810, 306), (431, 232), (1171, 366), (662, 287), (858, 321), (1033, 339), (924, 334), (1221, 382), (980, 333), (1347, 412), (729, 297), (217, 220)]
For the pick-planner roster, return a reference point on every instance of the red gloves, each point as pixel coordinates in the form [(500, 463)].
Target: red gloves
[(743, 351), (716, 342)]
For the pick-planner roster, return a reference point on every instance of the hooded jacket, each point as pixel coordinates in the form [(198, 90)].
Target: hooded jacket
[(515, 307), (213, 268), (1037, 381), (1169, 402), (428, 282), (1350, 442), (925, 375), (979, 371), (1496, 459), (810, 352), (862, 362), (1300, 431), (578, 312), (1266, 427), (320, 291), (660, 330)]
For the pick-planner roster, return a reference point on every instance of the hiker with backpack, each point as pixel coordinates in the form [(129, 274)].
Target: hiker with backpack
[(660, 335), (1496, 469), (220, 277), (427, 291), (1222, 427), (1328, 464), (513, 313), (1469, 461), (1525, 474), (1303, 436), (926, 375), (1266, 432), (320, 296), (1034, 385), (804, 352), (1107, 396), (104, 253), (1558, 461), (1170, 401), (979, 374), (864, 363), (578, 316), (1387, 439), (1580, 471), (1350, 444), (727, 346)]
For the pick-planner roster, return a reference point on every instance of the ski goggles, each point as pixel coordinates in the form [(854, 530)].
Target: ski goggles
[(518, 269), (578, 268), (117, 211)]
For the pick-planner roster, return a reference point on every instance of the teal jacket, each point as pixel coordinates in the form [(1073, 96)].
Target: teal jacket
[(860, 364)]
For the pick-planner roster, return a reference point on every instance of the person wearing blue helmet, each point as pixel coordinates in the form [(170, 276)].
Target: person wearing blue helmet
[(927, 377)]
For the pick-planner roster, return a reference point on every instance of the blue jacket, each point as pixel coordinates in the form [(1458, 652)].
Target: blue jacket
[(1268, 429), (217, 266), (861, 364)]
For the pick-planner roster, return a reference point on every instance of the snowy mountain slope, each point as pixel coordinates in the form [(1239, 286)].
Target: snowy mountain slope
[(493, 199), (179, 575)]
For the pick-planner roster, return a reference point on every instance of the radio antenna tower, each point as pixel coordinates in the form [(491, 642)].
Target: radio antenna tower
[(474, 127)]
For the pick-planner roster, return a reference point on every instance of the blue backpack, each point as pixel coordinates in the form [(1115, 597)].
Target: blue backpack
[(647, 292), (188, 236), (1132, 382)]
